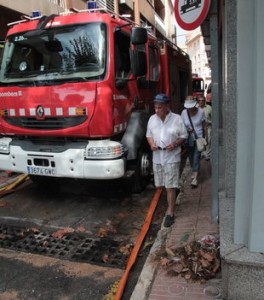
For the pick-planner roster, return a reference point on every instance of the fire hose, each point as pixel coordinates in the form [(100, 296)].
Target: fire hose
[(139, 241), (11, 185)]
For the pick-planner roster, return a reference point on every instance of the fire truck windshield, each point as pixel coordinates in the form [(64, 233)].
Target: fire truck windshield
[(56, 54)]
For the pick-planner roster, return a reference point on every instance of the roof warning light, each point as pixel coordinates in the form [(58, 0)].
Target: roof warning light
[(91, 4), (35, 14)]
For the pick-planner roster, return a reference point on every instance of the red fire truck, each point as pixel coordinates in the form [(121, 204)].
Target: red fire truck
[(197, 85), (76, 93)]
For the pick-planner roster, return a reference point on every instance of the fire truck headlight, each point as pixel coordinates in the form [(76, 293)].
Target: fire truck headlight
[(110, 150), (5, 145)]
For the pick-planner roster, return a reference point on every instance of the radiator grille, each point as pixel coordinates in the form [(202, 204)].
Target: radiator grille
[(49, 123)]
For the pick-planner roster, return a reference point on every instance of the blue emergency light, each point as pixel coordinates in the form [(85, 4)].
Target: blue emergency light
[(36, 14), (91, 4)]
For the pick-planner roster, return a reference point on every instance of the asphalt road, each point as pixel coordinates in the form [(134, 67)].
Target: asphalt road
[(46, 232)]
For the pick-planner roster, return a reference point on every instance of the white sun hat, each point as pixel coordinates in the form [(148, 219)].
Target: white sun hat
[(190, 102)]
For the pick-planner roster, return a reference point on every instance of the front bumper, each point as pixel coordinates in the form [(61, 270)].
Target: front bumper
[(70, 163)]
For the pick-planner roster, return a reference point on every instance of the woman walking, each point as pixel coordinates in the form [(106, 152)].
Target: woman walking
[(194, 120)]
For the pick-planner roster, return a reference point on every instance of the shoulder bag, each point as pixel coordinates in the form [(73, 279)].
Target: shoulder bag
[(200, 142)]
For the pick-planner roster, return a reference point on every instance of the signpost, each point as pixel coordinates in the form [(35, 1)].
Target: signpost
[(191, 13)]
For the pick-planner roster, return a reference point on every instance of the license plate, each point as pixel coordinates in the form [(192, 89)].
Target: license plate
[(41, 171)]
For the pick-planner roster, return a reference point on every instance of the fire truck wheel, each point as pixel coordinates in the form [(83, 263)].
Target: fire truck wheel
[(142, 168)]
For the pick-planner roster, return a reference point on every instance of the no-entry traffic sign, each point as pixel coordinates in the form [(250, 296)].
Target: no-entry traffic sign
[(191, 13)]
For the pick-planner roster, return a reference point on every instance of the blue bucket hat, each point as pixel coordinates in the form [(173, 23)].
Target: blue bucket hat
[(161, 98)]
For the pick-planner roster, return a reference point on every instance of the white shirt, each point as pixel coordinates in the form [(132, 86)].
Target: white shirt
[(197, 121), (165, 133)]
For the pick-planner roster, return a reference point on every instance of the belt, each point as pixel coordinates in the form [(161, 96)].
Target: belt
[(162, 148)]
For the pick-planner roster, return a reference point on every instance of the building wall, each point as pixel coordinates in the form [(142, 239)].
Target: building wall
[(11, 11), (249, 190), (242, 203), (157, 14), (27, 7), (243, 107), (196, 50)]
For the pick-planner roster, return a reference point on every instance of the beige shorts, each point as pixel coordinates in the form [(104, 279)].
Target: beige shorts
[(167, 175)]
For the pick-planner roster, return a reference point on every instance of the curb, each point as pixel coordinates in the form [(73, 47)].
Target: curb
[(150, 268)]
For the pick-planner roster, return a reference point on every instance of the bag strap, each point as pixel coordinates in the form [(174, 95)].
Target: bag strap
[(190, 119)]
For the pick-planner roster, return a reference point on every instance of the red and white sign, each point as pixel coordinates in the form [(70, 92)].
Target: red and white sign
[(191, 13)]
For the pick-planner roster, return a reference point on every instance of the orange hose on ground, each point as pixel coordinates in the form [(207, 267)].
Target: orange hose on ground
[(140, 239), (15, 185)]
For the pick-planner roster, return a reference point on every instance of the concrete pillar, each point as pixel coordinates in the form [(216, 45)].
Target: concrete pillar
[(116, 7), (215, 110), (136, 12), (249, 192)]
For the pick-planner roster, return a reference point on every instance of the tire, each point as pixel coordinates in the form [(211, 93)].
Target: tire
[(142, 168)]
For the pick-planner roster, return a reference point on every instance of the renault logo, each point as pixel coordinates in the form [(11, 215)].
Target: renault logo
[(40, 112)]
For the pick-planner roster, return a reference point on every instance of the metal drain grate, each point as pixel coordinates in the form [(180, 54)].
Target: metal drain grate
[(72, 246)]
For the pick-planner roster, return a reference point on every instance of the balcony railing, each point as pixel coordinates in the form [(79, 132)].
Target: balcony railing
[(106, 4), (61, 3)]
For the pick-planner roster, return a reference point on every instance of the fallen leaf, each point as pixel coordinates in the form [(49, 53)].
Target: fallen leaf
[(188, 276), (102, 233), (216, 265), (147, 244), (178, 268), (195, 268), (61, 232), (207, 255), (185, 270), (45, 244), (188, 249), (169, 252), (176, 259), (205, 263), (164, 262), (80, 229), (125, 250)]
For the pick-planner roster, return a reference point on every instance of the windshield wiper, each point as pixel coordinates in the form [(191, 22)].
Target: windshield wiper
[(18, 83)]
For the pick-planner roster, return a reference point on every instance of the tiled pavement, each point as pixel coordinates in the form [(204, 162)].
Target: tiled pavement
[(193, 221)]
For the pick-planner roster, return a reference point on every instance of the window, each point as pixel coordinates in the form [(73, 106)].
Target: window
[(122, 54), (58, 53)]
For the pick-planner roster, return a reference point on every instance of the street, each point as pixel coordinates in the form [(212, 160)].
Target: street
[(72, 242)]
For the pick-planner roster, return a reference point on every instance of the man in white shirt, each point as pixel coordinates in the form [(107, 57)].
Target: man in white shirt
[(208, 125), (165, 134)]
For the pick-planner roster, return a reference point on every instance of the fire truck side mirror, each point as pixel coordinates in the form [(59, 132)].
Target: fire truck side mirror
[(138, 63), (139, 35)]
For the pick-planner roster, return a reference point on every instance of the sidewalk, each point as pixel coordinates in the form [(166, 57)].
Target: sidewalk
[(193, 221)]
